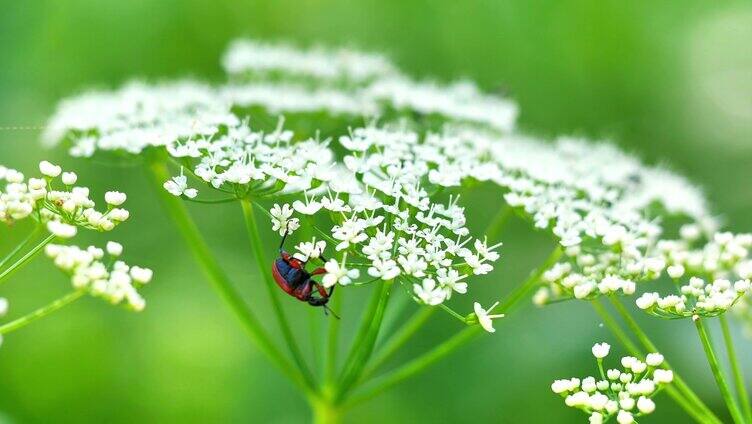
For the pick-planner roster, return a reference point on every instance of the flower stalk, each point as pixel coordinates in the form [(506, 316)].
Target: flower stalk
[(715, 367), (741, 389), (258, 253), (679, 383), (700, 414), (42, 312), (215, 275), (5, 274)]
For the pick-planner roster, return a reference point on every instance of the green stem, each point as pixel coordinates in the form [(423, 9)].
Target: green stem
[(417, 365), (325, 413), (332, 343), (25, 258), (741, 388), (365, 325), (458, 340), (215, 275), (365, 349), (20, 246), (528, 285), (42, 312), (720, 379), (497, 224), (679, 382), (273, 290), (492, 231), (398, 339), (692, 409)]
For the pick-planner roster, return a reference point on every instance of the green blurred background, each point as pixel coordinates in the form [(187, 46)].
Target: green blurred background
[(670, 81)]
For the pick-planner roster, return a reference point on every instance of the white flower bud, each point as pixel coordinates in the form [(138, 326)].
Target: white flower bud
[(49, 170), (60, 229), (661, 376), (675, 271), (626, 403), (3, 306), (141, 275), (115, 198), (654, 359), (613, 374), (645, 405), (624, 417), (69, 178), (114, 249), (600, 350)]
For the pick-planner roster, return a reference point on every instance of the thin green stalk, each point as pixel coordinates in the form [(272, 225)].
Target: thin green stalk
[(325, 412), (42, 312), (332, 343), (215, 275), (458, 340), (25, 258), (741, 388), (20, 246), (528, 285), (398, 339), (690, 408), (365, 325), (720, 379), (492, 231), (417, 365), (257, 246), (363, 354), (497, 224), (679, 382)]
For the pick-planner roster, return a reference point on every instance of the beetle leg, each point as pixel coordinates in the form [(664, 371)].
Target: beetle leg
[(319, 271), (322, 291)]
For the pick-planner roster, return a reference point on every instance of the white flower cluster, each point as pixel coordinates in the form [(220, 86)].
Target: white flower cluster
[(61, 208), (244, 161), (625, 394), (256, 59), (717, 276), (605, 207), (354, 83), (137, 116), (90, 270)]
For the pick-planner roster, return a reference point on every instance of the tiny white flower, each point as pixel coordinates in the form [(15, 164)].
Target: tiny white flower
[(281, 219), (114, 249), (661, 376), (645, 405), (337, 273), (654, 359), (49, 170), (69, 178), (600, 350), (178, 186), (624, 417), (60, 229), (429, 293), (115, 198), (485, 319), (141, 275)]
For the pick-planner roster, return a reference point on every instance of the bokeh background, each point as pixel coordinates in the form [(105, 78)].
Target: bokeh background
[(670, 81)]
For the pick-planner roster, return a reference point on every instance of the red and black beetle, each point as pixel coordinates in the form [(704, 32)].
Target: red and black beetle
[(291, 276)]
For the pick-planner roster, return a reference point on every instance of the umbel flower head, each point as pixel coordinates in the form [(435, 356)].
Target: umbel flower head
[(137, 116), (55, 200), (625, 393), (101, 274), (711, 279), (386, 219), (247, 162)]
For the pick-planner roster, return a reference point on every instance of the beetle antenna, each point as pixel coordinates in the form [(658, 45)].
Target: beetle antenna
[(326, 308)]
